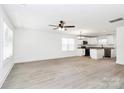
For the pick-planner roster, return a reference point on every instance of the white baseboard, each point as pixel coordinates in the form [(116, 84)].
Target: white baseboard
[(34, 60), (119, 63), (5, 74)]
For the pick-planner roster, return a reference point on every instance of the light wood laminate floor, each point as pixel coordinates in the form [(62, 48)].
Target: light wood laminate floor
[(67, 73)]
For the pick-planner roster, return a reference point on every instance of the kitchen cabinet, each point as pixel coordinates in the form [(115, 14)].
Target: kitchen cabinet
[(96, 53), (80, 52), (113, 53), (107, 52)]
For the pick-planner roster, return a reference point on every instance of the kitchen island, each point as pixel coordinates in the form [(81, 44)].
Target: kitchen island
[(98, 52)]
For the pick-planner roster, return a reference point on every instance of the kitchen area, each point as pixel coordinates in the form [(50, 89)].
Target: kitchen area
[(97, 47)]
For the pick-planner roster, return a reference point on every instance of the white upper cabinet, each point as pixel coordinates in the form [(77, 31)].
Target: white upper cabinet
[(92, 40)]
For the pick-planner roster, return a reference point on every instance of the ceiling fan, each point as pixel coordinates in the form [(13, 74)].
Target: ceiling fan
[(62, 26), (116, 20)]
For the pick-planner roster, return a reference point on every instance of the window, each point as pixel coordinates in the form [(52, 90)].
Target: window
[(7, 41), (68, 44), (102, 41)]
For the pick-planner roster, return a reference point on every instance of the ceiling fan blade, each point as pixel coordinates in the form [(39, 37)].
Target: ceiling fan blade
[(53, 25), (68, 26), (116, 20), (55, 28)]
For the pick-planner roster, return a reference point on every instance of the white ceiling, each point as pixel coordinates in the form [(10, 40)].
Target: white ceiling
[(90, 19)]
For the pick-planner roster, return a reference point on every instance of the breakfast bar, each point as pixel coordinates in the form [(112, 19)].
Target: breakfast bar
[(98, 52)]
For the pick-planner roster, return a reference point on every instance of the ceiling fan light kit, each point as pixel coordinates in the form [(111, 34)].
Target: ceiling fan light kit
[(61, 29)]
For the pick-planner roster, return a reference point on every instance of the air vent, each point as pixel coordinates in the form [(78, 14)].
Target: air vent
[(116, 20)]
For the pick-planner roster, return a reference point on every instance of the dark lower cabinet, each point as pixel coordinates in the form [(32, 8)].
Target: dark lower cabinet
[(87, 52), (107, 52)]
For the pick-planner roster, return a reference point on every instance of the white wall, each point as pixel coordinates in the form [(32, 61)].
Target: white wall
[(5, 65), (33, 45), (120, 45)]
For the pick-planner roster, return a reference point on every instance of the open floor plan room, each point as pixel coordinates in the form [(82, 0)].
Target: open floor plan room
[(67, 46), (68, 73)]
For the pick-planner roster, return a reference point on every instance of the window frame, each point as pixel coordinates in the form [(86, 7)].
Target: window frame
[(8, 36), (102, 42), (68, 44)]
